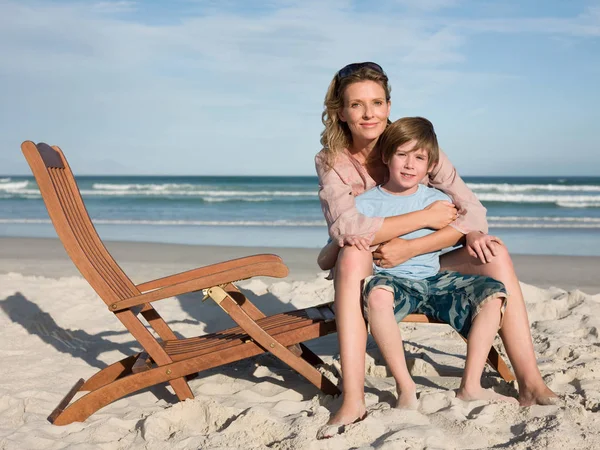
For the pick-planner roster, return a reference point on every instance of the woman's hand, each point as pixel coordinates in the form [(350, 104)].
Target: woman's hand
[(482, 246), (391, 253), (360, 242), (440, 214)]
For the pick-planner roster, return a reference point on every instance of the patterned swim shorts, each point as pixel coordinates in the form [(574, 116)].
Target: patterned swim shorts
[(451, 297)]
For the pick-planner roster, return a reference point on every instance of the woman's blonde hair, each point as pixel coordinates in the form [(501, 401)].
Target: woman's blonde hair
[(336, 136)]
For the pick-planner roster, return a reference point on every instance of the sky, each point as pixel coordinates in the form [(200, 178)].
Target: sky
[(236, 87)]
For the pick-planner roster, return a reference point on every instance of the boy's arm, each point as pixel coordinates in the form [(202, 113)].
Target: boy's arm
[(444, 238), (437, 215), (399, 250)]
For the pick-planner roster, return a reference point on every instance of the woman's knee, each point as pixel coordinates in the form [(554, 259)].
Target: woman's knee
[(500, 264), (352, 261)]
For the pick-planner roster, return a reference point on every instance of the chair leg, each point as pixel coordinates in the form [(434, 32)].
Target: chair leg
[(269, 343), (182, 389), (497, 362), (155, 350), (254, 313), (159, 325)]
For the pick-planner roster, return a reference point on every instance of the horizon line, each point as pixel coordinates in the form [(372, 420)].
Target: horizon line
[(286, 176)]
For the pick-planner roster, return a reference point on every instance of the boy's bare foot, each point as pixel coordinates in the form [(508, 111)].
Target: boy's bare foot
[(348, 414), (540, 396), (468, 395), (407, 398)]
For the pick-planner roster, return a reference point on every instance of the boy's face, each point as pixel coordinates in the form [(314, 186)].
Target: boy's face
[(407, 166)]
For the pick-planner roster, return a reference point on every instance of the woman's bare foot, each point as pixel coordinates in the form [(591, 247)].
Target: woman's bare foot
[(468, 395), (407, 398), (540, 396), (348, 414)]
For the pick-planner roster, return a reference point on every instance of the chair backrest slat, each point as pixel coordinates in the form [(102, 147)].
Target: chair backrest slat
[(73, 224), (84, 233)]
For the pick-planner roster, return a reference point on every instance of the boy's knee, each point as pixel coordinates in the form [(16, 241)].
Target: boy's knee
[(493, 308), (380, 299)]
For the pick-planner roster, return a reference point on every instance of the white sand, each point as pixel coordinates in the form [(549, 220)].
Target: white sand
[(55, 331)]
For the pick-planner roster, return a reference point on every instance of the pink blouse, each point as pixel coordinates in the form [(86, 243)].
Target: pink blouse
[(339, 185)]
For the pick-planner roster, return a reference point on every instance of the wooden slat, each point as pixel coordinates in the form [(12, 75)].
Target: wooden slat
[(224, 338), (89, 237), (213, 345), (267, 323), (78, 231), (106, 256), (206, 270)]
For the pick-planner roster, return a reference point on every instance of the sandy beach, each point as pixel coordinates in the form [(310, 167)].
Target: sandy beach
[(55, 330)]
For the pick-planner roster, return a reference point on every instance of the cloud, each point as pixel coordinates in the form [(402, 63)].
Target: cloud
[(428, 5), (114, 7), (586, 24)]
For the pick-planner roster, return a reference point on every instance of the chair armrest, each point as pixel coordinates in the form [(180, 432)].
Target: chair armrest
[(207, 270), (270, 268)]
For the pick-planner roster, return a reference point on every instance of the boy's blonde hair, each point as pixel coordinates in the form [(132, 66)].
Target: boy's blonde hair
[(405, 130)]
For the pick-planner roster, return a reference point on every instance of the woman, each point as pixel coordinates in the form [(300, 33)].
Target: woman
[(357, 107)]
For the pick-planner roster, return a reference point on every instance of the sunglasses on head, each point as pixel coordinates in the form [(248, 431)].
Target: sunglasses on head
[(354, 67)]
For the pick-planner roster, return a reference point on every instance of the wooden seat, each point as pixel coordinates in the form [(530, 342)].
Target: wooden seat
[(167, 359)]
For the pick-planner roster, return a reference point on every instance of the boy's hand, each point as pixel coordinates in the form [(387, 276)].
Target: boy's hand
[(392, 253), (482, 246), (441, 213)]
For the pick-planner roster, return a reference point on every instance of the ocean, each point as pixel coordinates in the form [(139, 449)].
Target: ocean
[(532, 215)]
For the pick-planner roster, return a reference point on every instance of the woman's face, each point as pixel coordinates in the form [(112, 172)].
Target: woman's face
[(365, 110)]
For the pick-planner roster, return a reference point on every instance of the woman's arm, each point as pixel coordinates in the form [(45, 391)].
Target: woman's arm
[(338, 205), (328, 256), (472, 213)]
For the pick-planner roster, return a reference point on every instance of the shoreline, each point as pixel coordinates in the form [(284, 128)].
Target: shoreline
[(47, 257)]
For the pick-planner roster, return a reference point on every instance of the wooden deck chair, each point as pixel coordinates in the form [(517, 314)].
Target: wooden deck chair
[(169, 359)]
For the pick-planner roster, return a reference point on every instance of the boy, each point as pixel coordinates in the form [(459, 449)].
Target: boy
[(472, 305)]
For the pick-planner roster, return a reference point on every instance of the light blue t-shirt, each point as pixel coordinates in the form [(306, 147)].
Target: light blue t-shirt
[(379, 203)]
